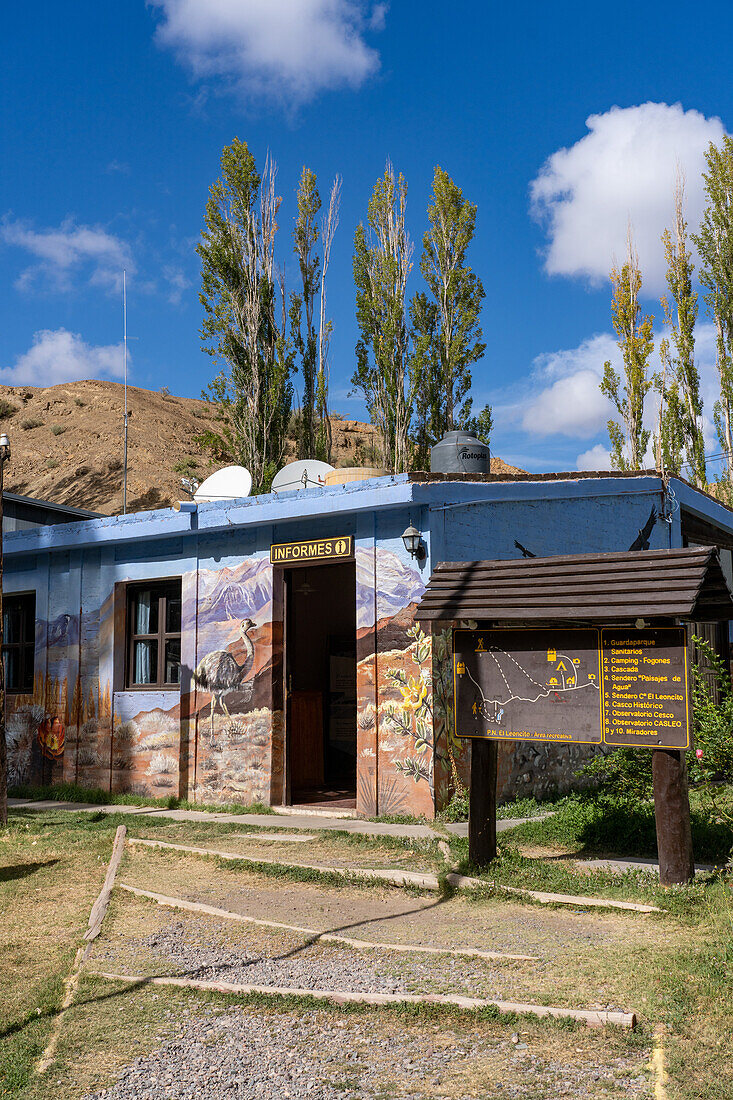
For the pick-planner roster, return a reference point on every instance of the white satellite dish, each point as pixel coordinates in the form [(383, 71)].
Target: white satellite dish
[(304, 474), (227, 484)]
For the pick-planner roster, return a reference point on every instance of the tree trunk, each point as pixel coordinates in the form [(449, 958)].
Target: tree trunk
[(672, 812), (482, 802)]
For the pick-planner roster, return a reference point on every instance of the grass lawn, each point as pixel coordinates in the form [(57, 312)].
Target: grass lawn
[(675, 973)]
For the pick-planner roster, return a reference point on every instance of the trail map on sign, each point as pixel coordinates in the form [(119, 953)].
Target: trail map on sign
[(539, 685)]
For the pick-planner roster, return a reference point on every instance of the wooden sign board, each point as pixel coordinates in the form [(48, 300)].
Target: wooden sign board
[(573, 686), (645, 696), (528, 685)]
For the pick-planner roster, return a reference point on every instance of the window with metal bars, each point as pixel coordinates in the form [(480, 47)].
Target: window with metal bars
[(19, 642), (154, 636)]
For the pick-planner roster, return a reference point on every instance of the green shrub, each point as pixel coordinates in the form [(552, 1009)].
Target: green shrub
[(457, 808), (624, 773), (713, 722), (186, 467), (51, 463), (33, 422), (57, 429), (79, 403), (7, 409)]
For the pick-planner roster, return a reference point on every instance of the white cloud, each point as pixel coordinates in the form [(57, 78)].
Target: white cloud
[(57, 356), (281, 48), (597, 458), (623, 169), (178, 283), (68, 250), (572, 406), (561, 395)]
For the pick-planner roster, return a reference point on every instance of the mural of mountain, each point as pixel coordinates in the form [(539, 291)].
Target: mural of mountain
[(392, 633), (229, 595), (397, 585)]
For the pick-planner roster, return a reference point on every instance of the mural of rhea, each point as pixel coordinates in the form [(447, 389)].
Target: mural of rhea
[(220, 673)]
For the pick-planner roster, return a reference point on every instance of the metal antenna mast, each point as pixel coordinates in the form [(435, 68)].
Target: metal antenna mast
[(124, 342)]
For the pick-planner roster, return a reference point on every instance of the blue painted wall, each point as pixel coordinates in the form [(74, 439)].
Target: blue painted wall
[(78, 571)]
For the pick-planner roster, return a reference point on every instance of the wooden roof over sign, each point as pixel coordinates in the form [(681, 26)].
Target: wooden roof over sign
[(686, 584)]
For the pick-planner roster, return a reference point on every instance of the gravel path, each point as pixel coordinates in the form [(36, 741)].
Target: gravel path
[(316, 967), (244, 1055), (207, 950)]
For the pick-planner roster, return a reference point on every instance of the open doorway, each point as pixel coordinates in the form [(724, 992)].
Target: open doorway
[(320, 680)]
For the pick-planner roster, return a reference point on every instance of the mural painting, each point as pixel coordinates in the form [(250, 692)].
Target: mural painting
[(145, 743), (395, 747), (232, 691), (40, 725)]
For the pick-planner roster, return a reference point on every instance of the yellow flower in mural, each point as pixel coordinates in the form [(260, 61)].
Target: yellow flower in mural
[(414, 692)]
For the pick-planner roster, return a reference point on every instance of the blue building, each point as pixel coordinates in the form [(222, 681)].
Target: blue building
[(266, 649)]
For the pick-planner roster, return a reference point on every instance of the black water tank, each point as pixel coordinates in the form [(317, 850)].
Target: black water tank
[(460, 453)]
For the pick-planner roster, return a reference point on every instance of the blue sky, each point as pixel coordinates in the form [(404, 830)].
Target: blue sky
[(562, 122)]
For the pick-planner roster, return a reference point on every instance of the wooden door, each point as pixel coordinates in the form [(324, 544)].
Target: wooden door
[(306, 739)]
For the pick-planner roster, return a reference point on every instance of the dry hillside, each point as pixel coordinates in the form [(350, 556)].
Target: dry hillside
[(67, 444)]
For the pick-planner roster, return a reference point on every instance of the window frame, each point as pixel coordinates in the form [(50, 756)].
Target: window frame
[(164, 586), (23, 646)]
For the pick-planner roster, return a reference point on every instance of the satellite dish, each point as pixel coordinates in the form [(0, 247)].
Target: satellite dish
[(307, 473), (227, 484)]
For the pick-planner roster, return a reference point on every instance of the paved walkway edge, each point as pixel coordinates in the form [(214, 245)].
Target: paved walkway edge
[(319, 820), (329, 937), (595, 1018), (464, 881)]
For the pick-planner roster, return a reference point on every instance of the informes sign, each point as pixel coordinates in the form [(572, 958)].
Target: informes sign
[(528, 685), (645, 696), (310, 551), (618, 686)]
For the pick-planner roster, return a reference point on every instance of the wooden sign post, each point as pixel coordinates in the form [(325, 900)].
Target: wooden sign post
[(672, 816), (482, 802)]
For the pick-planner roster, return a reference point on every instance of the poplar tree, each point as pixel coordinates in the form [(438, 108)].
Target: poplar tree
[(245, 318), (329, 225), (635, 335), (681, 405), (446, 319), (314, 429), (382, 263), (305, 236), (715, 246)]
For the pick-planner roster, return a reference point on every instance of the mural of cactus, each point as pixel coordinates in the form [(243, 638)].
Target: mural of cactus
[(451, 753), (413, 719)]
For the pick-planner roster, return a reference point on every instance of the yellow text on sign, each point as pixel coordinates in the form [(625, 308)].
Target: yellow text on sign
[(312, 550)]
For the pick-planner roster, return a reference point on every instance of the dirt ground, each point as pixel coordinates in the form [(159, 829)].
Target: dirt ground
[(67, 444), (567, 943), (141, 1041)]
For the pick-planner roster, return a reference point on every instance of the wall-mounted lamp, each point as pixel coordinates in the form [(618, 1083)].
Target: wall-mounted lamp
[(413, 543)]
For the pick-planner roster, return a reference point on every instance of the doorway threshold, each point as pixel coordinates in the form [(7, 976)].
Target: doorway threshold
[(328, 809)]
